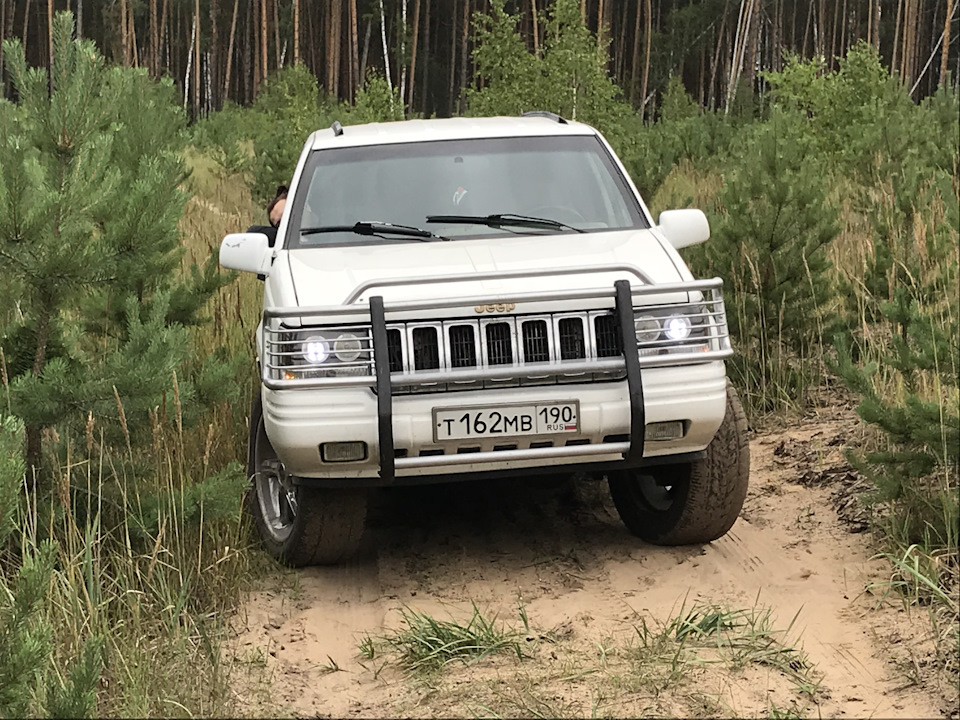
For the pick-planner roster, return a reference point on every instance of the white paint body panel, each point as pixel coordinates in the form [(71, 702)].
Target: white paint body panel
[(299, 420)]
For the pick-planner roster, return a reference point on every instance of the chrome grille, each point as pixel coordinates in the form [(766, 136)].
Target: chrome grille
[(609, 342), (395, 349), (463, 347), (320, 347), (536, 345), (426, 350), (502, 343), (572, 345), (499, 344)]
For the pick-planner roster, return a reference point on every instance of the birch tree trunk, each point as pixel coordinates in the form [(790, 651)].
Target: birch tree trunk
[(186, 75), (386, 50), (196, 57)]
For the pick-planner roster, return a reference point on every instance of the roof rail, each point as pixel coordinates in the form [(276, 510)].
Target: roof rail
[(545, 113), (337, 128)]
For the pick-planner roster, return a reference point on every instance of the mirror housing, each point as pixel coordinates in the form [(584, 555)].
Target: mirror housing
[(683, 228), (249, 252)]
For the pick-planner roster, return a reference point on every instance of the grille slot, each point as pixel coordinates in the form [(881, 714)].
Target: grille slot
[(572, 341), (536, 342), (463, 347), (499, 344), (609, 342), (426, 350), (395, 350)]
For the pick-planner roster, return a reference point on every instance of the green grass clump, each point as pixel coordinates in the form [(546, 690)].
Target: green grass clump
[(426, 644), (708, 633)]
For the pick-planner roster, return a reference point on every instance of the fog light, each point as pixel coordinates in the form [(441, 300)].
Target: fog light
[(672, 430), (343, 451)]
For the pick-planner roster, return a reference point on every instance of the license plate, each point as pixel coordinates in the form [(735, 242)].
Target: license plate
[(506, 421)]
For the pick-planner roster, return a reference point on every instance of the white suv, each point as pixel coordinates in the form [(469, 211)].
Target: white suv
[(464, 298)]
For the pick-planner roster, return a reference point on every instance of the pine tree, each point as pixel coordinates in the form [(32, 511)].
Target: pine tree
[(918, 467), (89, 207), (30, 683), (774, 232)]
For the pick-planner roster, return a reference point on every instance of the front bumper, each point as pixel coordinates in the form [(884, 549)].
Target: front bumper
[(298, 421), (398, 430)]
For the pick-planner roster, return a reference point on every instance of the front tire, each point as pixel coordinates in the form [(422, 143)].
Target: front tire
[(298, 525), (689, 503)]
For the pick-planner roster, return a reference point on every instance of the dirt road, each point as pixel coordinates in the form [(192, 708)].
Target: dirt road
[(586, 586)]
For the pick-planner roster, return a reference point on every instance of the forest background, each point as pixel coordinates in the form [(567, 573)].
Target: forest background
[(820, 138)]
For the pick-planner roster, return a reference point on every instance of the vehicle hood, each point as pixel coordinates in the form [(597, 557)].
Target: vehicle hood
[(332, 275)]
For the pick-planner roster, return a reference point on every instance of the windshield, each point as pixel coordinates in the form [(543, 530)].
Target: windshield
[(460, 190)]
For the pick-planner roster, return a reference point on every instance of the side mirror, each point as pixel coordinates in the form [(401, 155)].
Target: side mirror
[(249, 252), (683, 228)]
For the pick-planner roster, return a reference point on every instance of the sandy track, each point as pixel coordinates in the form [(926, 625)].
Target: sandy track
[(562, 552)]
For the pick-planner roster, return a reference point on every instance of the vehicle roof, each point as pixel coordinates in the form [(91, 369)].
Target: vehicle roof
[(460, 128)]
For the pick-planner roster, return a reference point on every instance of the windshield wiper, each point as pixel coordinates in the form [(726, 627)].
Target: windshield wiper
[(503, 219), (377, 229)]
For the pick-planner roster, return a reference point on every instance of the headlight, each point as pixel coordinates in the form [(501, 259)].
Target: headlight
[(676, 328), (647, 328), (347, 347), (316, 350)]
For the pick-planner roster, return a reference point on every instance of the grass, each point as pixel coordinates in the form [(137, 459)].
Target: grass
[(424, 644), (665, 653), (151, 551), (918, 520), (157, 598), (152, 554), (667, 667)]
